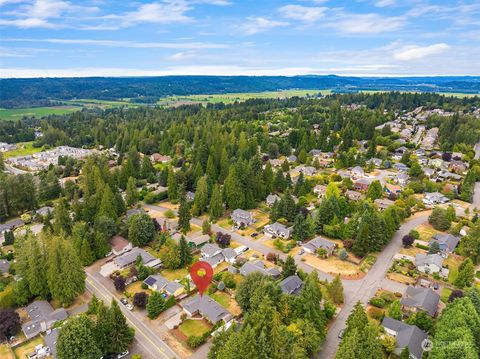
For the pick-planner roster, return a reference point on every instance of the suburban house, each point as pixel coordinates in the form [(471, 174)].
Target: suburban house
[(429, 172), (320, 190), (377, 162), (242, 218), (129, 258), (158, 158), (50, 339), (271, 199), (11, 225), (291, 285), (357, 172), (160, 284), (210, 250), (406, 336), (207, 308), (402, 179), (292, 158), (120, 245), (446, 242), (277, 230), (362, 184), (353, 195), (400, 167), (258, 266), (433, 198), (428, 263), (318, 242), (229, 255), (392, 188), (420, 299), (383, 203), (276, 162), (42, 317), (198, 241), (43, 212)]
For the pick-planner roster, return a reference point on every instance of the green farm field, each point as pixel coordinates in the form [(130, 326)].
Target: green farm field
[(232, 97), (19, 113), (453, 94)]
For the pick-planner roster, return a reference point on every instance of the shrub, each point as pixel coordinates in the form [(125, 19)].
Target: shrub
[(144, 286), (413, 233), (378, 302), (195, 341), (376, 313), (421, 246), (388, 297), (343, 255), (140, 299), (169, 214)]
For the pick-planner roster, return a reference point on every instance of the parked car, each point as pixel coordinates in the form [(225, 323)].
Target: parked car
[(124, 301), (300, 252), (123, 355), (340, 334), (254, 234), (129, 306), (436, 286)]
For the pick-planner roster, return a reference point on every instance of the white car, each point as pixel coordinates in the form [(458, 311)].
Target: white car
[(123, 355), (129, 307)]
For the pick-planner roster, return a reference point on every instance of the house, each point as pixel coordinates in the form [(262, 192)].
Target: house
[(4, 266), (357, 172), (174, 289), (320, 190), (242, 218), (429, 172), (420, 299), (271, 199), (291, 285), (215, 260), (432, 198), (43, 212), (401, 150), (207, 308), (377, 162), (392, 189), (458, 166), (276, 162), (50, 339), (383, 203), (292, 158), (353, 195), (120, 245), (11, 225), (406, 336), (190, 196), (198, 241), (229, 254), (42, 317), (210, 250), (402, 179), (315, 153), (306, 170), (428, 263), (259, 266), (158, 158), (436, 163), (127, 259), (318, 242), (400, 167), (362, 184), (278, 230), (446, 242), (160, 284)]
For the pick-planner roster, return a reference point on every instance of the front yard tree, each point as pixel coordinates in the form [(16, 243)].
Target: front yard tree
[(119, 283), (289, 267), (131, 192), (310, 301), (62, 222), (141, 229), (9, 323), (184, 215), (375, 190), (470, 244), (407, 240), (439, 219), (76, 340), (140, 299), (434, 248), (201, 197), (371, 233), (223, 239), (395, 310), (335, 290), (119, 334), (300, 228), (186, 256), (466, 274), (215, 209), (155, 305)]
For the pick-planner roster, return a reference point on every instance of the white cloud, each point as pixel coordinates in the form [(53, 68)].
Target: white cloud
[(303, 13), (166, 12), (414, 52), (127, 44), (183, 55), (367, 23), (385, 3), (259, 24)]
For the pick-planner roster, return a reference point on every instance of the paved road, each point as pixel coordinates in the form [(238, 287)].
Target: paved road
[(477, 151), (144, 336)]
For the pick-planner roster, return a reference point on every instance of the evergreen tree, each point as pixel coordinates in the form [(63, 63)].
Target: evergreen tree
[(186, 256), (155, 305), (335, 290), (466, 274), (131, 192), (76, 340), (108, 206), (85, 254), (375, 190), (172, 185), (201, 197), (147, 171), (215, 208), (62, 221), (234, 194), (289, 267), (300, 228), (309, 304), (120, 335), (184, 215)]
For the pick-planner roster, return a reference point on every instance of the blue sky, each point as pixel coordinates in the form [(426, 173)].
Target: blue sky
[(40, 38)]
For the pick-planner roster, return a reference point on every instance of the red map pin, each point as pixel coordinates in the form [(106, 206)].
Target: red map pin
[(201, 274)]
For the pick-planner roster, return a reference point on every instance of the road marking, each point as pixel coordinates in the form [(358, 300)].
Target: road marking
[(160, 349)]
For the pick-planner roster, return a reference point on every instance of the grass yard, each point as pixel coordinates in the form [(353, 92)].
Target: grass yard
[(221, 267), (28, 347), (332, 265), (453, 262), (6, 352), (136, 287), (225, 223), (169, 205), (261, 218), (222, 298), (426, 231), (444, 294), (412, 251), (23, 149), (398, 277), (18, 113), (173, 274), (194, 327)]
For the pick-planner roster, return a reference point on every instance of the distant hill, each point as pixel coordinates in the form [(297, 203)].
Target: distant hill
[(15, 93)]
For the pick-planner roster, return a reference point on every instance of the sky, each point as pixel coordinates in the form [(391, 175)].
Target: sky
[(51, 38)]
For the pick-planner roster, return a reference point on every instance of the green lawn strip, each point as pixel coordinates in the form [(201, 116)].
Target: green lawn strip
[(191, 327)]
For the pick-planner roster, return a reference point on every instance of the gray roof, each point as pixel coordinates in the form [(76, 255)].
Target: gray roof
[(172, 287), (131, 256), (198, 241), (157, 280), (384, 203), (215, 260), (251, 267), (319, 242), (229, 253), (272, 198), (210, 249), (445, 241), (407, 336), (207, 307), (353, 194), (14, 223), (44, 211), (42, 316), (241, 216), (421, 298), (278, 228), (50, 339), (4, 266), (291, 285), (423, 259)]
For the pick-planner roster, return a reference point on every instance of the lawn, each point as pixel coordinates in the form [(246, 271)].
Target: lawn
[(398, 277), (28, 347), (173, 274), (332, 265), (191, 327), (412, 251), (18, 113), (136, 287), (261, 218), (6, 352), (453, 262), (426, 232), (23, 149), (445, 293), (222, 298)]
